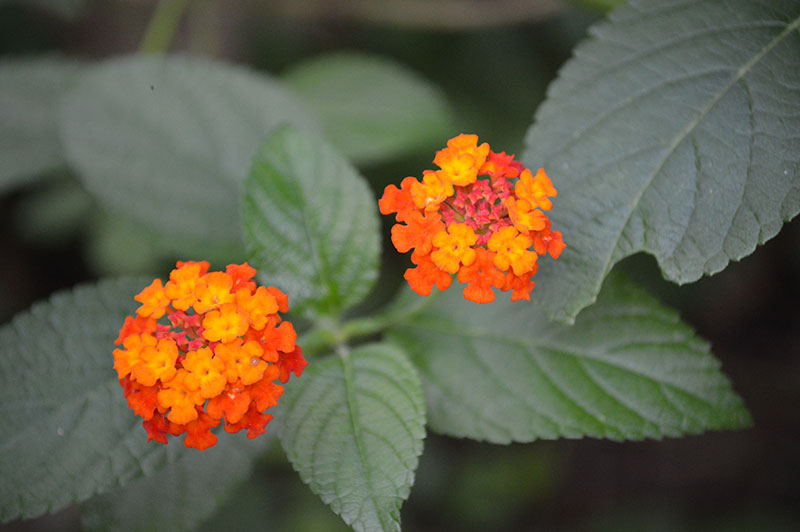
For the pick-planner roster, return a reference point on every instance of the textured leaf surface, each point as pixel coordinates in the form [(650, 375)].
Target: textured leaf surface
[(181, 496), (310, 223), (627, 369), (353, 427), (371, 108), (30, 90), (67, 431), (674, 130), (168, 140)]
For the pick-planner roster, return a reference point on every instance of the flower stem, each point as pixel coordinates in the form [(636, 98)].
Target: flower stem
[(331, 334), (162, 26)]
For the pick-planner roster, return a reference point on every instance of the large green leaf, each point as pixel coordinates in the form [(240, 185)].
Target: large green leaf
[(168, 140), (181, 496), (30, 89), (627, 369), (674, 130), (372, 108), (310, 223), (353, 427), (67, 430)]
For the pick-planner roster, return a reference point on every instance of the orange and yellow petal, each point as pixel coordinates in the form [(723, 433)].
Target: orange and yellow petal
[(156, 363), (137, 325), (536, 189), (205, 372), (257, 306), (198, 432), (181, 285), (180, 399), (433, 190), (454, 247), (253, 420), (512, 250), (481, 276), (426, 275), (213, 290), (153, 299), (291, 362), (418, 232), (130, 355), (524, 217), (241, 275), (230, 405), (224, 324), (398, 200)]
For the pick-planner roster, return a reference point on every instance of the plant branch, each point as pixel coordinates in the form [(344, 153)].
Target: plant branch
[(330, 334), (162, 26)]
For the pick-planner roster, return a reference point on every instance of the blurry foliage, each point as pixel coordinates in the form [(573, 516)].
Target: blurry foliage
[(493, 79)]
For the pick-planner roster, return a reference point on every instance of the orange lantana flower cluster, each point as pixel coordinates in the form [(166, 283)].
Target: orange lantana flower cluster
[(220, 345), (480, 216)]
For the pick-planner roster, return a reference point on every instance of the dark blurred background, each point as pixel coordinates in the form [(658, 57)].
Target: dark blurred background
[(493, 60)]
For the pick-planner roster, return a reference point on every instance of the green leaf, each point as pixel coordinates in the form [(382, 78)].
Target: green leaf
[(181, 496), (627, 369), (310, 223), (116, 246), (673, 130), (371, 107), (353, 427), (67, 430), (168, 140), (30, 89), (54, 213)]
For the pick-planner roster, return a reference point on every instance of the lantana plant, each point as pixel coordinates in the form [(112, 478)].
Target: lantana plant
[(291, 315), (481, 229), (217, 357)]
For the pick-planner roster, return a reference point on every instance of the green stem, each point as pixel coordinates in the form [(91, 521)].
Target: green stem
[(162, 26), (331, 334)]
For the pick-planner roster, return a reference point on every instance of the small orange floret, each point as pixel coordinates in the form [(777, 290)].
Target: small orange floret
[(225, 324), (198, 432), (426, 275), (153, 299), (257, 306), (253, 421), (481, 276), (536, 189), (131, 354), (241, 275), (156, 363), (143, 400), (398, 201), (205, 372), (213, 291), (524, 217), (230, 405), (520, 285), (180, 399), (291, 363), (242, 361), (434, 189), (419, 231), (478, 202), (276, 339), (281, 298), (454, 247), (512, 250), (135, 325), (214, 357)]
